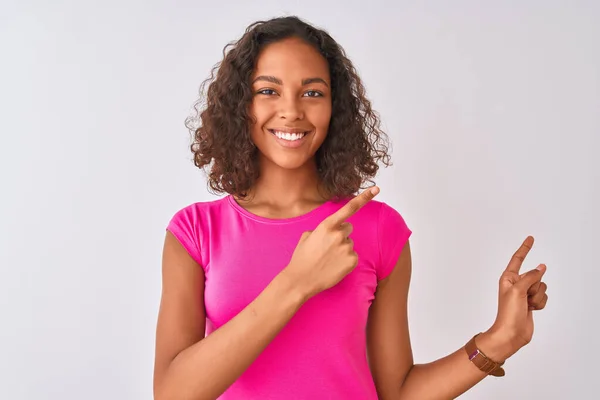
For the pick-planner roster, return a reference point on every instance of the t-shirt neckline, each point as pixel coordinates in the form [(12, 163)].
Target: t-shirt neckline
[(312, 213)]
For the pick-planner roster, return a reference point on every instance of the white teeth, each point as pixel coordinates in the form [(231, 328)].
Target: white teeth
[(289, 136)]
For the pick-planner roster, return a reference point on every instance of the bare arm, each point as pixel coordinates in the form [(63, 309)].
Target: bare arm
[(189, 366), (451, 376), (390, 353), (388, 341)]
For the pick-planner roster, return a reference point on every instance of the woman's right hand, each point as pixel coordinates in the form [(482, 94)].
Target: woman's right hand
[(323, 257)]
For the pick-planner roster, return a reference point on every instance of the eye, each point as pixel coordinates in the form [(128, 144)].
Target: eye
[(267, 92), (313, 93)]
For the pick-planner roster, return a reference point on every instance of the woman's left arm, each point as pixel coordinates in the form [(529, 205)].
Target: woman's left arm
[(388, 341)]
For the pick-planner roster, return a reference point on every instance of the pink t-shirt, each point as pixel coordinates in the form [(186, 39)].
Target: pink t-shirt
[(321, 352)]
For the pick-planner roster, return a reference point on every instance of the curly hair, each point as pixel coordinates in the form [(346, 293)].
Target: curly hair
[(349, 155)]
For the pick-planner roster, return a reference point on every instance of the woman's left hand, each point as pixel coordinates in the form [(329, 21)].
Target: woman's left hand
[(519, 295)]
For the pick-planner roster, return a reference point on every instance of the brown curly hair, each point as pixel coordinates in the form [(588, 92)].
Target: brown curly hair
[(354, 143)]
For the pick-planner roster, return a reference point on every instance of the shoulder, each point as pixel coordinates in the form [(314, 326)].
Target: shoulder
[(191, 225), (195, 219), (381, 220), (387, 212), (199, 211), (387, 230), (375, 211)]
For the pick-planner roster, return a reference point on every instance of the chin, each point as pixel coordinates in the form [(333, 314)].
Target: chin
[(285, 161)]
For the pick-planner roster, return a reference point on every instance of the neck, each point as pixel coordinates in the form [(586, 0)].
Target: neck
[(277, 185)]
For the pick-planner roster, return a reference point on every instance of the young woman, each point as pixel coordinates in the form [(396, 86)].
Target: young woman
[(293, 286)]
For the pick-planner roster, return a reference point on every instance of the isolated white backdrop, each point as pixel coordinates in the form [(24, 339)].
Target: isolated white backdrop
[(493, 109)]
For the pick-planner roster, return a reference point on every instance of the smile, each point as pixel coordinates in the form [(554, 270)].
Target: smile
[(289, 136)]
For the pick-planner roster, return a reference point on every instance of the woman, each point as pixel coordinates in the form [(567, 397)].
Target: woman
[(292, 286)]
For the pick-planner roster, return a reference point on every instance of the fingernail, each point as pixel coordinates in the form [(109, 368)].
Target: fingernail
[(541, 267), (375, 190)]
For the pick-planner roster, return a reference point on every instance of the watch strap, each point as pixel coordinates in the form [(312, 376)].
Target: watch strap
[(482, 362)]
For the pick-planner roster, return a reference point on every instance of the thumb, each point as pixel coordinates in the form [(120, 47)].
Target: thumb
[(531, 277)]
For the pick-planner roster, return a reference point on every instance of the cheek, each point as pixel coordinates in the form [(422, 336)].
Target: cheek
[(261, 109), (320, 117)]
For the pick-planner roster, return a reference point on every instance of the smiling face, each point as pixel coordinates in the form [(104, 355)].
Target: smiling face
[(291, 103)]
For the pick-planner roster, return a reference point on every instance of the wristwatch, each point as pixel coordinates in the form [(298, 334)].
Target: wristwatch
[(482, 362)]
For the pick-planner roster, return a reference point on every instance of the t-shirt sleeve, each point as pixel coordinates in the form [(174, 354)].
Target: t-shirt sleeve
[(184, 226), (393, 233)]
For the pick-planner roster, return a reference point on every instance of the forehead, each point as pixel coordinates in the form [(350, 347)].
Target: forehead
[(291, 59)]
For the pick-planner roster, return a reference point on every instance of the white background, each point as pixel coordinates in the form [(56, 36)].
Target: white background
[(493, 109)]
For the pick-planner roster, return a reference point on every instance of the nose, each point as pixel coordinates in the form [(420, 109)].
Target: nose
[(290, 109)]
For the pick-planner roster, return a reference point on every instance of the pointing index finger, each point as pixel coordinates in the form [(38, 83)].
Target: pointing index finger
[(517, 259), (353, 206)]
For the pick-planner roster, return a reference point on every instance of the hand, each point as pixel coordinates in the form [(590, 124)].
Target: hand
[(323, 257), (519, 295)]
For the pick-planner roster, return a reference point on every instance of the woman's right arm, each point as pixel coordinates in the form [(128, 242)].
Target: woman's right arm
[(189, 366)]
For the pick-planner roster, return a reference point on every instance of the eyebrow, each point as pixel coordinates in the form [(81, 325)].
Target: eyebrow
[(278, 81)]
